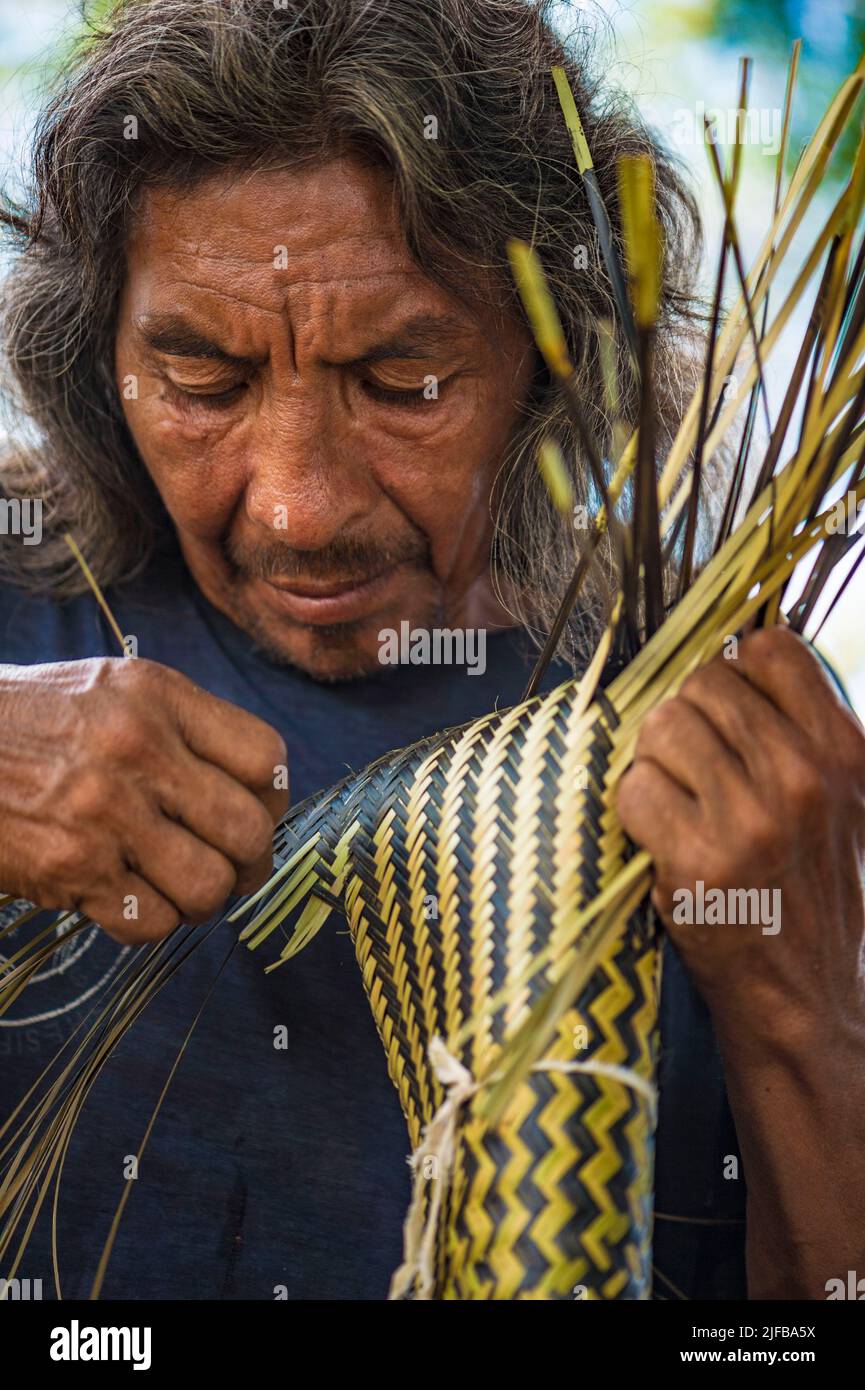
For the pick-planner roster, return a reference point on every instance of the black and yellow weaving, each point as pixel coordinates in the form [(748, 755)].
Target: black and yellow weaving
[(457, 863)]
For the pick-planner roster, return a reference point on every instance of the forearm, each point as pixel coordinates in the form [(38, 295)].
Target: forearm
[(799, 1109)]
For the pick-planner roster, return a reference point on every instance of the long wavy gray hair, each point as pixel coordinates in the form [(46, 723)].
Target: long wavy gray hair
[(239, 82)]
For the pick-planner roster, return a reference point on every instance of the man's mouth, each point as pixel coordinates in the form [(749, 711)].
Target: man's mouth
[(329, 601)]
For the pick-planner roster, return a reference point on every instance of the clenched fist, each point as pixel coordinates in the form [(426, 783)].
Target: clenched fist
[(131, 795)]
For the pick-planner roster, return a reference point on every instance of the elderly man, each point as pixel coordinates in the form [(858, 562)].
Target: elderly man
[(282, 395)]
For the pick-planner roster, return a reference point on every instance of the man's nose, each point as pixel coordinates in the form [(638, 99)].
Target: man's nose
[(307, 478)]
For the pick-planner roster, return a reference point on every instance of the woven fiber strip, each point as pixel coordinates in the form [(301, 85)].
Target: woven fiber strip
[(457, 862)]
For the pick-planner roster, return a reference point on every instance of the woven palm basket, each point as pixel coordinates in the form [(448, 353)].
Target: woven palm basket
[(461, 862)]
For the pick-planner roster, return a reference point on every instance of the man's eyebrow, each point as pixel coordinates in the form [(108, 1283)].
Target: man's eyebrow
[(175, 337), (423, 336), (420, 337)]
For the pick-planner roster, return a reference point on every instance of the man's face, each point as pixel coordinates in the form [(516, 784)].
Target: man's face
[(323, 423)]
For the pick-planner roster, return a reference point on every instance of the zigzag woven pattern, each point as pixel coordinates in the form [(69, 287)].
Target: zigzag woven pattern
[(458, 862)]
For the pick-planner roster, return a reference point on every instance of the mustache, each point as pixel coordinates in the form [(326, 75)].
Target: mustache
[(349, 557)]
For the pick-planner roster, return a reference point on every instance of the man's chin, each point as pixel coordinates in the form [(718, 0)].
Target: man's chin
[(330, 653), (335, 663)]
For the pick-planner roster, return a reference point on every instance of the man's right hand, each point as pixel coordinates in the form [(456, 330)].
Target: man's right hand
[(132, 795)]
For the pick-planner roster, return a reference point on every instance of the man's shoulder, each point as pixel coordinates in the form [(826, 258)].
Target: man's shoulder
[(37, 624), (35, 627)]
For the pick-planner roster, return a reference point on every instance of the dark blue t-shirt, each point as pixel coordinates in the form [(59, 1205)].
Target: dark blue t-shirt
[(285, 1168)]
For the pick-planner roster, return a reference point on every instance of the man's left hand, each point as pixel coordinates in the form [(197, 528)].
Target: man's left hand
[(753, 777)]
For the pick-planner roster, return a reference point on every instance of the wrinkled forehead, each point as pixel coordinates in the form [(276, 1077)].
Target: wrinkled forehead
[(321, 246)]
